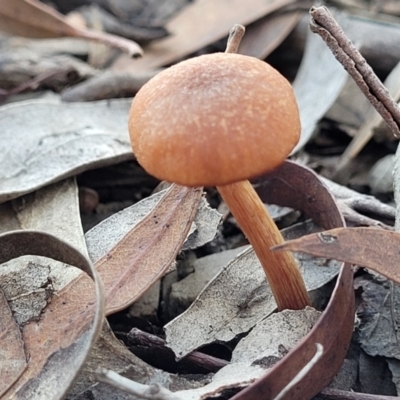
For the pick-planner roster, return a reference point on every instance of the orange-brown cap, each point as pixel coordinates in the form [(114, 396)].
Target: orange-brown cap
[(213, 120)]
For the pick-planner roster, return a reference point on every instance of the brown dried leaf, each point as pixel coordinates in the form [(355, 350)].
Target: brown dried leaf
[(34, 19), (13, 360), (144, 253), (105, 235), (373, 248), (200, 23), (59, 342)]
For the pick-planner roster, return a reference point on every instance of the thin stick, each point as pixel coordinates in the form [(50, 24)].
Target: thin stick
[(136, 337), (235, 37), (345, 52), (149, 392), (334, 394)]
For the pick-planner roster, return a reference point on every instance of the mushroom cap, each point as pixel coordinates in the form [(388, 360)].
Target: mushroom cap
[(214, 120)]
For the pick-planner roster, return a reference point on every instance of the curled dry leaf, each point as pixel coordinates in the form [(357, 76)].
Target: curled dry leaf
[(34, 19), (146, 252), (59, 342), (373, 248)]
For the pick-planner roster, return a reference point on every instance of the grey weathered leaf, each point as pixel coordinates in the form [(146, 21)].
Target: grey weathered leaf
[(45, 142), (317, 85), (269, 342), (377, 333), (234, 301), (13, 360)]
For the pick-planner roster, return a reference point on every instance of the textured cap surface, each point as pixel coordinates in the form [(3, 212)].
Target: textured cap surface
[(214, 120)]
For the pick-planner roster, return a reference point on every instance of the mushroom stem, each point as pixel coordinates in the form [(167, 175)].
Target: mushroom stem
[(281, 269)]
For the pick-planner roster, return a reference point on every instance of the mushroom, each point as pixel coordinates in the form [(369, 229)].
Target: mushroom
[(219, 120)]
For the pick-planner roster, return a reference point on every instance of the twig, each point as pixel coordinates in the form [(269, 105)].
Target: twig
[(195, 359), (302, 373), (235, 37), (334, 394), (345, 52), (361, 209), (148, 392)]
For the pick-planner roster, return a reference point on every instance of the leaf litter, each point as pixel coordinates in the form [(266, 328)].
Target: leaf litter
[(35, 19), (61, 200), (303, 353)]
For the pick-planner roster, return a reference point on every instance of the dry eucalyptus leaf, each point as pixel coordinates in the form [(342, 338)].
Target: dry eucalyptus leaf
[(102, 237), (110, 353), (396, 187), (45, 142), (233, 302), (32, 18), (373, 248), (26, 283), (200, 23), (239, 296), (394, 366), (59, 342), (145, 252), (13, 359), (266, 34), (269, 341), (29, 282), (206, 223), (53, 209), (379, 314), (372, 124), (317, 85)]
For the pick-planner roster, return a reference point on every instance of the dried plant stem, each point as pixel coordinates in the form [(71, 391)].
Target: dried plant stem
[(346, 53), (334, 394), (235, 37), (195, 358), (149, 392), (281, 269)]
